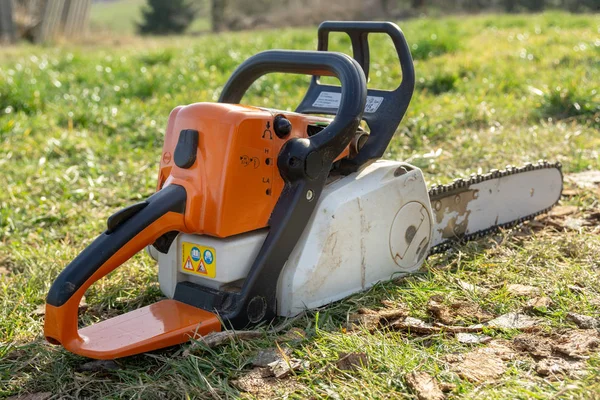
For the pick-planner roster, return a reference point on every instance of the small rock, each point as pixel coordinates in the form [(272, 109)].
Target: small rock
[(472, 338), (576, 289), (351, 361), (517, 289), (99, 365), (425, 386), (583, 321)]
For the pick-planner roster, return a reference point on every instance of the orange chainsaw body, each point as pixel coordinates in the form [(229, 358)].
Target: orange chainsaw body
[(235, 178)]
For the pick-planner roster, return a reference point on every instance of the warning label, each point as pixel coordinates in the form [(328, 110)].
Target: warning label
[(197, 259), (332, 100)]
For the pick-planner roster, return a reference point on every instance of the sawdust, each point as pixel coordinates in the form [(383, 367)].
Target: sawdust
[(351, 361), (425, 386), (583, 321), (517, 289), (452, 314), (482, 364)]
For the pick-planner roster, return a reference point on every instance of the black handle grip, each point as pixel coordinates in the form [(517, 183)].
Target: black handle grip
[(358, 33), (385, 109), (347, 70)]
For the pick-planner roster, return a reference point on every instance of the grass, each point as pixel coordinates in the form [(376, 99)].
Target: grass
[(81, 130)]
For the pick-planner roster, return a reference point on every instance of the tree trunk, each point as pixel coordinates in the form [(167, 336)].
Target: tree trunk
[(218, 15)]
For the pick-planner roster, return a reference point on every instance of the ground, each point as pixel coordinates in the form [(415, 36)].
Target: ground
[(81, 128)]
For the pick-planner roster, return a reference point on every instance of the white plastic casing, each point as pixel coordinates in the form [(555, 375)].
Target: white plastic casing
[(366, 227)]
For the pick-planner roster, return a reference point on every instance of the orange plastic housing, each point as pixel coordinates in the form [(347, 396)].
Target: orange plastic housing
[(234, 183)]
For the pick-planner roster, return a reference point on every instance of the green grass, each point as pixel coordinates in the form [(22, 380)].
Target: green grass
[(81, 128), (120, 17)]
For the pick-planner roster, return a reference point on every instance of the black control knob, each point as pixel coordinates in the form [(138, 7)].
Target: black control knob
[(282, 126)]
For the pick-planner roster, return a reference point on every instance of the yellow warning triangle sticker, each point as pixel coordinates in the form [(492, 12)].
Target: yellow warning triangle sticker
[(201, 267), (188, 264)]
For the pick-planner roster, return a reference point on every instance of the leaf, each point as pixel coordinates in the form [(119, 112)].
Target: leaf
[(425, 386)]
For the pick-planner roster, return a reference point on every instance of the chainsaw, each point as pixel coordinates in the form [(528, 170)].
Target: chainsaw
[(262, 213)]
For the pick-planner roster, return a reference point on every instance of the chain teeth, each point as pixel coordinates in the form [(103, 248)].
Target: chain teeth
[(439, 191)]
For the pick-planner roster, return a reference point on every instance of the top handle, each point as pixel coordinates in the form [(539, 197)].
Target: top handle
[(385, 109), (353, 89)]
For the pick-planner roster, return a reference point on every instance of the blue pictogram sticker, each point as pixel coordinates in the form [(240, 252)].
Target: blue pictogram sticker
[(208, 256), (195, 253)]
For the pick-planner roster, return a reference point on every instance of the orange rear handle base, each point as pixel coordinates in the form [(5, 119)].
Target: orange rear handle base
[(159, 325)]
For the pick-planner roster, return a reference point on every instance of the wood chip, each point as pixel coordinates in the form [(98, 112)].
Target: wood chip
[(483, 364), (513, 320), (471, 338), (259, 382), (415, 325), (425, 386), (583, 321), (577, 343), (537, 346), (538, 303), (554, 367), (562, 211), (351, 361), (374, 319), (517, 289)]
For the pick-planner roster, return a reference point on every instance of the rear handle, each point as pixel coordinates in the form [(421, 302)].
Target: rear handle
[(129, 231)]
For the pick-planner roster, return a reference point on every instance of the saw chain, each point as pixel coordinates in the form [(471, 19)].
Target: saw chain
[(438, 192)]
